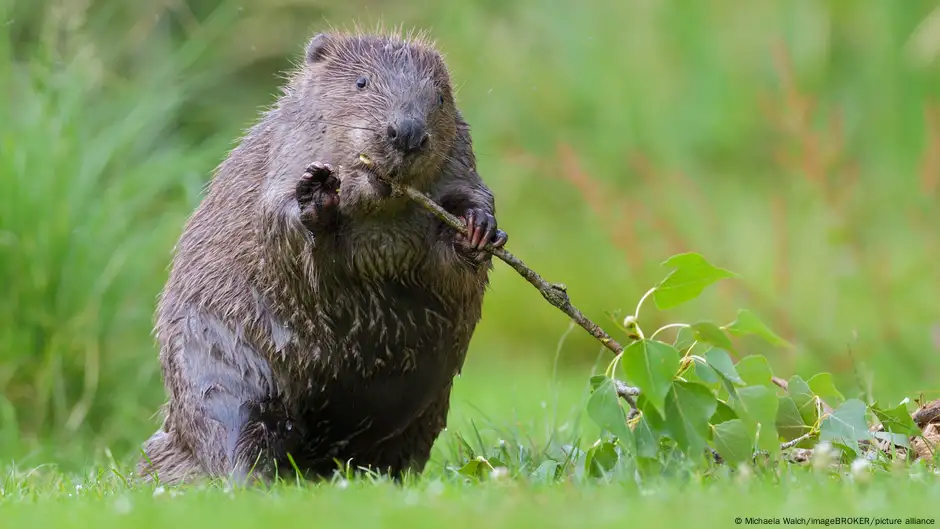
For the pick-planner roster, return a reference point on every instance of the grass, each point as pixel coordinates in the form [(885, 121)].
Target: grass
[(519, 413), (93, 182), (437, 503), (796, 143)]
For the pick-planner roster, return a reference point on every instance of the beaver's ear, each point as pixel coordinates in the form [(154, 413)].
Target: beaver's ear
[(318, 47)]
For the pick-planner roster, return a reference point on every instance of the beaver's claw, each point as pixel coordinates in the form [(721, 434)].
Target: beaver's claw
[(481, 229), (317, 195)]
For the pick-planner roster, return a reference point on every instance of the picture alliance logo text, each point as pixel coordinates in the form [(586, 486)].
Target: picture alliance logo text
[(835, 520)]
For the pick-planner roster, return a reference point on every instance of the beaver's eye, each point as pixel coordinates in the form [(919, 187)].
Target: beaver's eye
[(440, 100), (362, 82)]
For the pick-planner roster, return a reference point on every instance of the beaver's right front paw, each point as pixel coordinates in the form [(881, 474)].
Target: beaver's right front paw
[(318, 195)]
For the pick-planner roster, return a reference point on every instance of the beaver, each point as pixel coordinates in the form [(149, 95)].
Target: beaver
[(312, 317)]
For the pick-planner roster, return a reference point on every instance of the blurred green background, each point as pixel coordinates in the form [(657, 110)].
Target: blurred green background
[(795, 142)]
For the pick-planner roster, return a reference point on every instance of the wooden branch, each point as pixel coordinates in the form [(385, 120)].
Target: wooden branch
[(927, 414), (793, 442), (626, 391), (628, 394), (554, 293), (557, 295)]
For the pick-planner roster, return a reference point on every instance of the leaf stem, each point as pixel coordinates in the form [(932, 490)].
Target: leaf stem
[(798, 440), (612, 366), (636, 313), (669, 326)]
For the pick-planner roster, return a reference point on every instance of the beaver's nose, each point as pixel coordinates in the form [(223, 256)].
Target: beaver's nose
[(408, 135)]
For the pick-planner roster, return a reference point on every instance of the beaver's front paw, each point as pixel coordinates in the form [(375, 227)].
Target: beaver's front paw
[(481, 229), (318, 195)]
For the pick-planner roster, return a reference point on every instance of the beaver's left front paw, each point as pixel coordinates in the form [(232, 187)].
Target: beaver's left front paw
[(481, 229)]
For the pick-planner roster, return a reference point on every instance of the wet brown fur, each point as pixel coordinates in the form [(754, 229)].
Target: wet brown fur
[(333, 345)]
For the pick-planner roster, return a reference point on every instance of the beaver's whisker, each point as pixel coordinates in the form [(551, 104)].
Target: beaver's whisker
[(338, 124)]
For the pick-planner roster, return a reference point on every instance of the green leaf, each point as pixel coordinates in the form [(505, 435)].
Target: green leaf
[(850, 451), (897, 420), (477, 468), (688, 409), (733, 441), (547, 472), (650, 467), (653, 417), (597, 381), (805, 401), (722, 363), (755, 371), (601, 459), (718, 368), (496, 462), (723, 413), (894, 438), (647, 440), (748, 323), (706, 373), (710, 333), (691, 274), (846, 425), (649, 429), (603, 407), (789, 422), (714, 381), (684, 339), (756, 406), (823, 387), (651, 365)]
